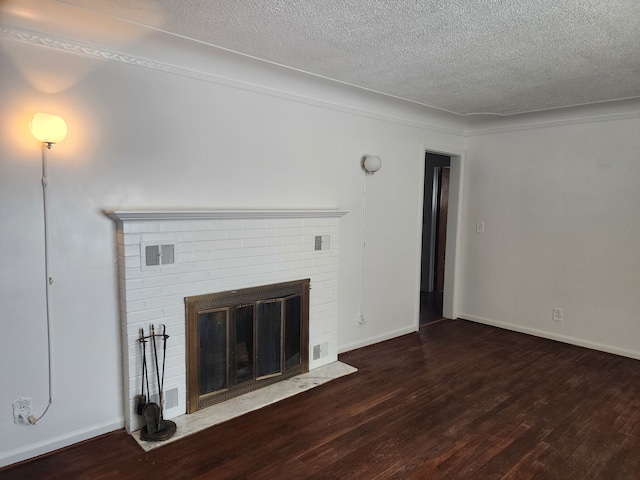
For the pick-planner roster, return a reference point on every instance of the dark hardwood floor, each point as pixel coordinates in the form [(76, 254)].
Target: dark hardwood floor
[(458, 400), (430, 307)]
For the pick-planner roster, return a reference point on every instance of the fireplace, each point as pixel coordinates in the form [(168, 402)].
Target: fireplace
[(166, 256), (241, 340)]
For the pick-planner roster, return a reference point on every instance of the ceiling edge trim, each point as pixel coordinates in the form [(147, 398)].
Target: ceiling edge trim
[(553, 123), (73, 46)]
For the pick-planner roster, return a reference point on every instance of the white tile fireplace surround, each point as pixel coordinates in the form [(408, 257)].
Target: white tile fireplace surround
[(214, 251)]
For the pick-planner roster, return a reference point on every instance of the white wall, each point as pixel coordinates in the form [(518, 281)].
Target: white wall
[(560, 200), (228, 132)]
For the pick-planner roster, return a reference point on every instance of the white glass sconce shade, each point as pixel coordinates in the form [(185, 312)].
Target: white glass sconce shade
[(48, 128), (371, 164)]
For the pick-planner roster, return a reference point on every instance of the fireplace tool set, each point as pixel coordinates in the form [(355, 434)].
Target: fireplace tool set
[(156, 428)]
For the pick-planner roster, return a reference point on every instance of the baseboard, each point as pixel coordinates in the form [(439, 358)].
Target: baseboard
[(552, 336), (46, 446), (380, 338)]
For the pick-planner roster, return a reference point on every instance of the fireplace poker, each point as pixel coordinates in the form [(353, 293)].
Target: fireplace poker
[(164, 358), (142, 398), (155, 355)]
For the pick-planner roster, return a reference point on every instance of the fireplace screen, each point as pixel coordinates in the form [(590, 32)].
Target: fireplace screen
[(241, 340)]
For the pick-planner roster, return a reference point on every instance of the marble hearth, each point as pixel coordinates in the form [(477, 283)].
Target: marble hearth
[(222, 412)]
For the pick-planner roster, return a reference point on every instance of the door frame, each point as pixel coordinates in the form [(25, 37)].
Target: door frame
[(433, 167), (454, 229)]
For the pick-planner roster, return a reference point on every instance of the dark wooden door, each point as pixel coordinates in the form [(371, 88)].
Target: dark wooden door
[(443, 206)]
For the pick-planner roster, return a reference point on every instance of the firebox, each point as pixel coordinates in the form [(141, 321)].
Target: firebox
[(242, 340)]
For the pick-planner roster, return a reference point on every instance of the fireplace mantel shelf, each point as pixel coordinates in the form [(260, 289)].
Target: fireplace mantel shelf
[(160, 215)]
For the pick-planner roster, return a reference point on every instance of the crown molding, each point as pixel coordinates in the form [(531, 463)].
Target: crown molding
[(73, 46), (103, 53), (525, 122), (553, 123)]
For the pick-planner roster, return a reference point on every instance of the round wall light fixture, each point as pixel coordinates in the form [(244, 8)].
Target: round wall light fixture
[(47, 128), (371, 164)]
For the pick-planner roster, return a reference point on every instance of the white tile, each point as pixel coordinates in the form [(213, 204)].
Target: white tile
[(140, 227)]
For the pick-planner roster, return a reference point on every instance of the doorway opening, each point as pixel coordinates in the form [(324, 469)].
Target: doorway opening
[(434, 236)]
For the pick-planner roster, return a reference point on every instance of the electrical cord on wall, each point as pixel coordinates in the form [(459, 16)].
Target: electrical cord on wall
[(48, 279), (370, 164), (361, 317)]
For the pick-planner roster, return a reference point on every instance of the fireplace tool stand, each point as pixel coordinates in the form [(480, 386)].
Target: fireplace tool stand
[(156, 428)]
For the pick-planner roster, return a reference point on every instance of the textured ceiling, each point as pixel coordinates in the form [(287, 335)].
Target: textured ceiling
[(463, 56)]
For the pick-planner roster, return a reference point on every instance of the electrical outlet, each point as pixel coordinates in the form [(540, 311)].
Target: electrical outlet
[(360, 320), (316, 352), (479, 227), (22, 411), (557, 314)]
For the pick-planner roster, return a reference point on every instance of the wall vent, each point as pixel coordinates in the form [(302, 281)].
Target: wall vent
[(321, 242), (320, 351), (154, 255), (170, 398)]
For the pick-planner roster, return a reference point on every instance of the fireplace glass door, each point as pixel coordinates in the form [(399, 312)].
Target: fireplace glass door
[(213, 331), (269, 338), (243, 345), (243, 335)]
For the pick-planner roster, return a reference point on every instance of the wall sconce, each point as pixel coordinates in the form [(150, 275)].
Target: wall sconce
[(49, 129), (371, 164)]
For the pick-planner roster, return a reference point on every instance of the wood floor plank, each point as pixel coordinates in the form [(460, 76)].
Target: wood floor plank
[(458, 400)]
